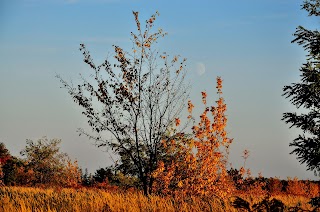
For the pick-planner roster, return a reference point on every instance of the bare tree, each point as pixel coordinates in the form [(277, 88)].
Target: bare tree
[(137, 98)]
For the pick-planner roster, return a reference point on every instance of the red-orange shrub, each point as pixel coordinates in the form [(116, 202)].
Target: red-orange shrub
[(198, 164)]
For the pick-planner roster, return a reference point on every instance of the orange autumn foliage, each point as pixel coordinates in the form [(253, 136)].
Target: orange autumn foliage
[(190, 106), (177, 120), (302, 188), (198, 163)]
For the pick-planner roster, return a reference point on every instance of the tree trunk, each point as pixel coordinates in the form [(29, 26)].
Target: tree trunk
[(145, 186)]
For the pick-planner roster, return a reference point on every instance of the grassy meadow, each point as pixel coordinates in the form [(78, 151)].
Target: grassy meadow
[(26, 199), (37, 199)]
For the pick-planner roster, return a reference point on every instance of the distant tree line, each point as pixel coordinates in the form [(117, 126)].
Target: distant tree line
[(43, 164)]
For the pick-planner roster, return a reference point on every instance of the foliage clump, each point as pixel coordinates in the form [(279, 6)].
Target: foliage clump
[(42, 165), (199, 161)]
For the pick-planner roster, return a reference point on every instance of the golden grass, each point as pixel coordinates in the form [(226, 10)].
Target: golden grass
[(26, 199), (38, 200)]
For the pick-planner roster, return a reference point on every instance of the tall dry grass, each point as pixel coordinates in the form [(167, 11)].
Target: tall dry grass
[(25, 199), (37, 200)]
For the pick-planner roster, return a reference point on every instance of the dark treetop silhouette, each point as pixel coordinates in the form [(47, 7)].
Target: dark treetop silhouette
[(307, 94)]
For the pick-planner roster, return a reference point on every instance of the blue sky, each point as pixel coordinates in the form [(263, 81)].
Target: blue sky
[(245, 42)]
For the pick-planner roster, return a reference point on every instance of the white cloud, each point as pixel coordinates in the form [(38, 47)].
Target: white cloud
[(200, 68)]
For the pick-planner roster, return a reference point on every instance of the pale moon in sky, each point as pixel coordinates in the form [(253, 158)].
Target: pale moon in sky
[(200, 68)]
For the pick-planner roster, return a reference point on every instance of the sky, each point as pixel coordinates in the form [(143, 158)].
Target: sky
[(247, 43)]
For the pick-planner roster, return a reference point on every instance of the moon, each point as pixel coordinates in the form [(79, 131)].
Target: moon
[(200, 68)]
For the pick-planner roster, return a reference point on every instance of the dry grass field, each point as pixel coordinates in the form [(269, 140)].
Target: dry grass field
[(38, 199)]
